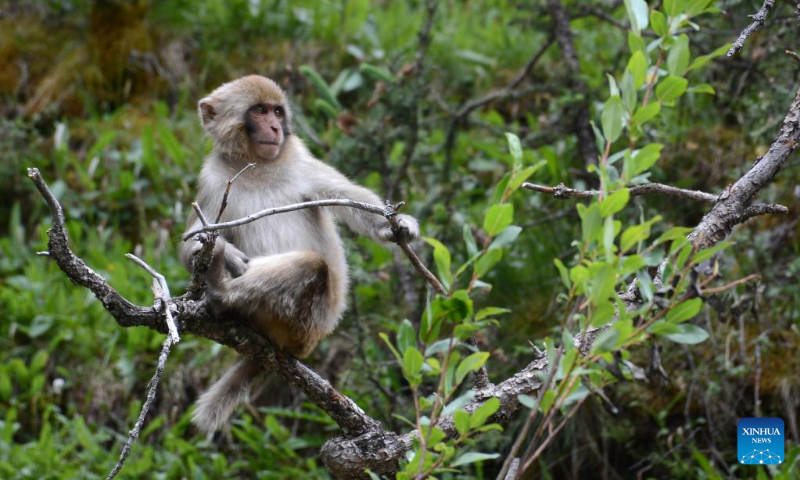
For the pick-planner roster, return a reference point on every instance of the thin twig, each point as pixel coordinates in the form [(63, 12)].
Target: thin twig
[(512, 470), (202, 218), (792, 54), (758, 21), (151, 395), (224, 203), (709, 291), (562, 192), (211, 227), (390, 212), (164, 294)]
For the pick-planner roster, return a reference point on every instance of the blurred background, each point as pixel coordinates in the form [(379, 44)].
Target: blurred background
[(100, 96)]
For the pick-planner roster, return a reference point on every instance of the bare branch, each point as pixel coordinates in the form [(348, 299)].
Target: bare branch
[(212, 227), (562, 192), (151, 395), (162, 292), (200, 215), (224, 203), (708, 291), (792, 54), (127, 313), (759, 19), (735, 204)]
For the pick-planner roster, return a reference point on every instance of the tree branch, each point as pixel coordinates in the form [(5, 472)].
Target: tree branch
[(759, 19), (563, 192)]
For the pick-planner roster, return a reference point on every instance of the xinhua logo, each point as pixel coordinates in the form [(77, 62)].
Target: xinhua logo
[(760, 441)]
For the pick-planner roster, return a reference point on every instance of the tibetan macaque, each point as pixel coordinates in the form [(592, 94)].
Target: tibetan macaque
[(287, 273)]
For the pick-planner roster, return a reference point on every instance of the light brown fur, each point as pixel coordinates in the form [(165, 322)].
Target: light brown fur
[(287, 273)]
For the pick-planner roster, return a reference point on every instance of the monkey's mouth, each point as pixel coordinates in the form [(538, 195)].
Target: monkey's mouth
[(267, 142)]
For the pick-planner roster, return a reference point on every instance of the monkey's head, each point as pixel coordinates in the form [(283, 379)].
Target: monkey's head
[(247, 118)]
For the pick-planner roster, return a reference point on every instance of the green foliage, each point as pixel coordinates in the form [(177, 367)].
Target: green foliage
[(518, 266)]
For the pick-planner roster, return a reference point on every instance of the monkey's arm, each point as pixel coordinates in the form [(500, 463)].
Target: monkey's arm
[(235, 260), (330, 183)]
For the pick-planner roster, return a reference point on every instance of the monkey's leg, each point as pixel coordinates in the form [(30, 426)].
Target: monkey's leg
[(288, 296)]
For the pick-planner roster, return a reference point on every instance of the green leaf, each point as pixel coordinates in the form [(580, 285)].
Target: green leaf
[(526, 400), (695, 7), (689, 334), (602, 283), (388, 342), (376, 73), (673, 234), (642, 160), (603, 313), (605, 342), (671, 88), (702, 60), (707, 253), (482, 413), (487, 261), (637, 65), (461, 421), (637, 13), (321, 86), (612, 118), (472, 457), (702, 88), (412, 364), (406, 337), (659, 23), (684, 311), (629, 94), (547, 401), (519, 177), (469, 240), (591, 222), (441, 256), (631, 264), (506, 237), (673, 8), (497, 218), (646, 113), (490, 312), (470, 364), (678, 57), (562, 270), (614, 202), (514, 147), (458, 403), (662, 327), (636, 43)]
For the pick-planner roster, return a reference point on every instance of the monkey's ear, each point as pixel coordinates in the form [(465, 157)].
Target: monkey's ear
[(207, 111)]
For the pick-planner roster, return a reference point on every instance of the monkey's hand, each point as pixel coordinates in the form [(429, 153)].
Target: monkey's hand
[(235, 260), (407, 230)]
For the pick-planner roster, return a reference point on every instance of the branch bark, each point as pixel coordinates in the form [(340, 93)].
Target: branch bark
[(759, 19)]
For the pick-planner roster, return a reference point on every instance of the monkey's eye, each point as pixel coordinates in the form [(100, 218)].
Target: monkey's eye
[(279, 112), (260, 110)]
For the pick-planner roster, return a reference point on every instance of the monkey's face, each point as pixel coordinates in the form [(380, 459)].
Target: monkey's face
[(265, 124)]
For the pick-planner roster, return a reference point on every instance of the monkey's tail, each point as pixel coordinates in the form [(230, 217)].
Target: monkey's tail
[(217, 404)]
